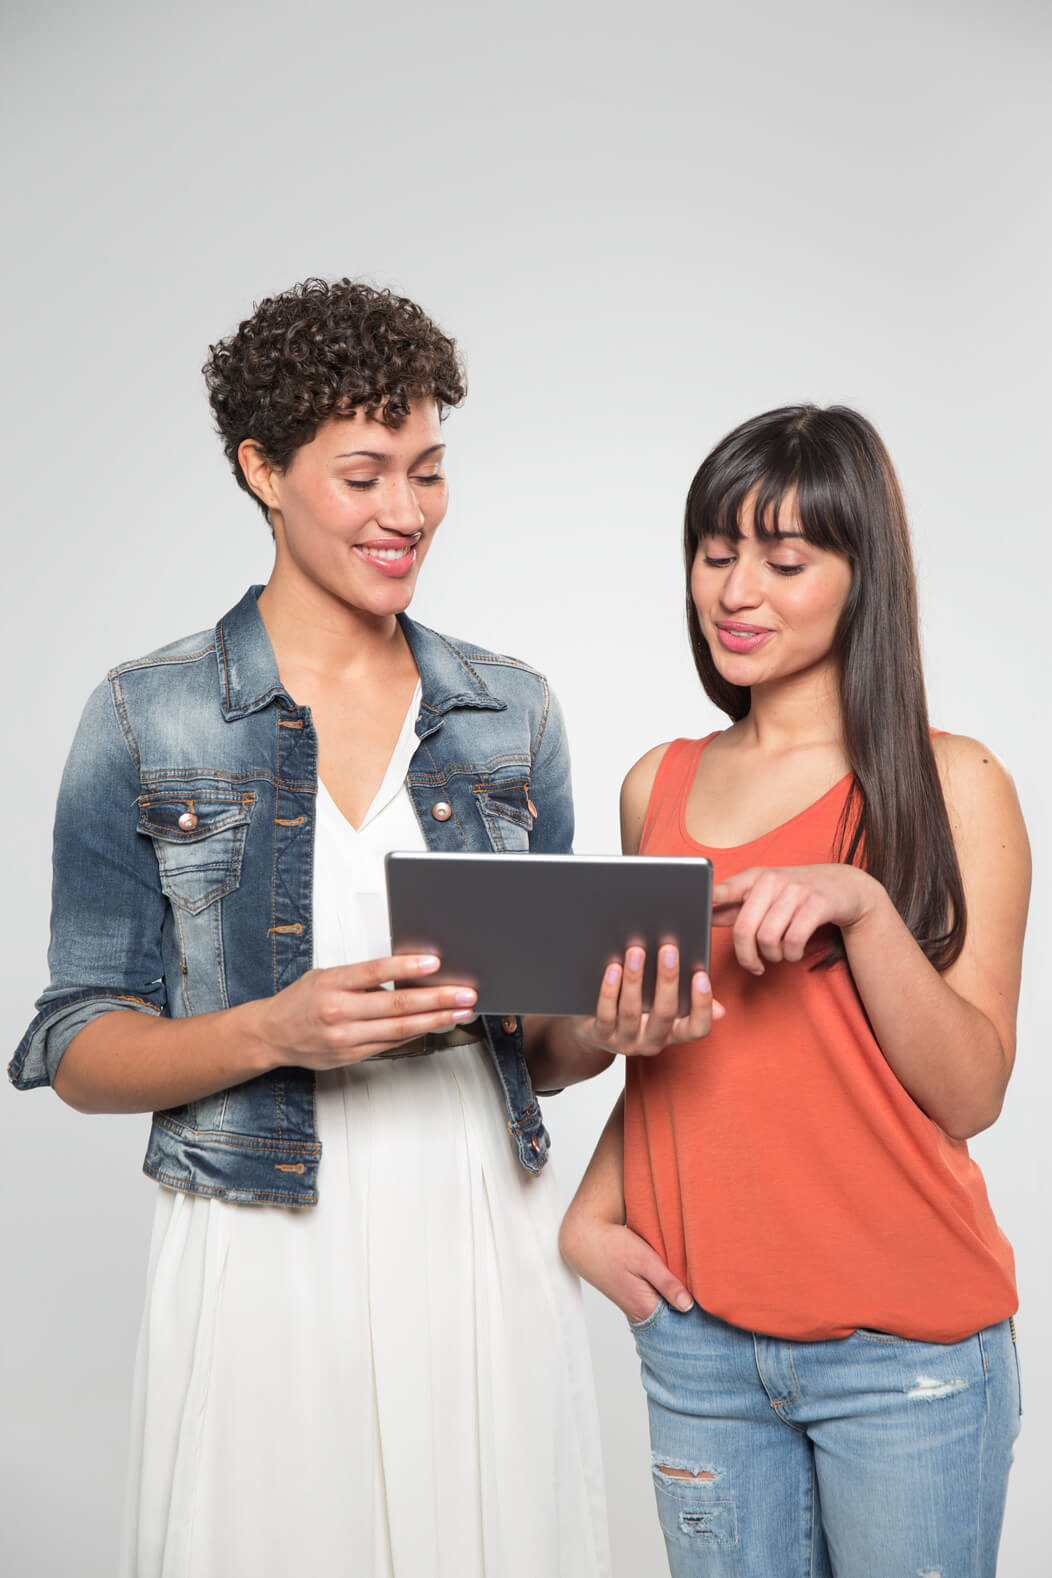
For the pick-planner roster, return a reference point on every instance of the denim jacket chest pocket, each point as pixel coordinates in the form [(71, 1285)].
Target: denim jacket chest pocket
[(199, 840), (507, 811)]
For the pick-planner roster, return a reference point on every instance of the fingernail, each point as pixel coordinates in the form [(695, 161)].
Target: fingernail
[(634, 958), (427, 961), (684, 1302), (462, 1014), (613, 972), (702, 982), (669, 958), (465, 997)]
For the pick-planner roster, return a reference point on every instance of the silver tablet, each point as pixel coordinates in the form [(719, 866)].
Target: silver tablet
[(534, 933)]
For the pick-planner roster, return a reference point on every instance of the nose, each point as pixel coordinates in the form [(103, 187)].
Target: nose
[(741, 587), (399, 507)]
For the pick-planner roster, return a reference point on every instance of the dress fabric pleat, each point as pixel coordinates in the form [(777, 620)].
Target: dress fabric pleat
[(394, 1383)]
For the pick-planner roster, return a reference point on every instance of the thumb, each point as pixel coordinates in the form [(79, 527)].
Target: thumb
[(673, 1292), (665, 1282)]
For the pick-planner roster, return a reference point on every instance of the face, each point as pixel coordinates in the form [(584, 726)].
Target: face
[(355, 510), (768, 607)]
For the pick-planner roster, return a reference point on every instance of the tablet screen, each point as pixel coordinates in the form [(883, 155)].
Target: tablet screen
[(534, 933)]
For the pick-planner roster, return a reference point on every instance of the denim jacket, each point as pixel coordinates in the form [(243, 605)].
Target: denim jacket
[(184, 841)]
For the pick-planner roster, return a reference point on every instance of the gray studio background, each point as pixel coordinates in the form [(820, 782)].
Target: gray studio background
[(643, 224)]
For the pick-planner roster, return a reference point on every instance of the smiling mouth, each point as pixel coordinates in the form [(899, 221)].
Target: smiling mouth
[(389, 558), (736, 637), (388, 555)]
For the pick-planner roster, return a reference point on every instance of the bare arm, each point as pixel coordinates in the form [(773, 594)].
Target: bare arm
[(949, 1038), (123, 1062), (595, 1242)]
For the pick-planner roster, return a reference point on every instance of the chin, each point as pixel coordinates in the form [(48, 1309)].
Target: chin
[(393, 599)]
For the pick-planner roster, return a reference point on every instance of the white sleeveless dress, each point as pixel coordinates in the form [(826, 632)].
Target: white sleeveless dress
[(394, 1383)]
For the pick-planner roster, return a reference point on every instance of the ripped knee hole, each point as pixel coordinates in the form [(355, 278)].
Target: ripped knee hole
[(685, 1473)]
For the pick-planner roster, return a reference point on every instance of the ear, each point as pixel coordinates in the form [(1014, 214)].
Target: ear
[(259, 472)]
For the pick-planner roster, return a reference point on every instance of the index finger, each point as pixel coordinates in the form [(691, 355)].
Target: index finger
[(734, 890), (368, 973)]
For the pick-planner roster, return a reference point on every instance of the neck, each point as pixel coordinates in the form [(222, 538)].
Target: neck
[(800, 710), (311, 629)]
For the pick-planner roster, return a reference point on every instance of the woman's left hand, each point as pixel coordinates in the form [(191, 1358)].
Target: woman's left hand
[(775, 910)]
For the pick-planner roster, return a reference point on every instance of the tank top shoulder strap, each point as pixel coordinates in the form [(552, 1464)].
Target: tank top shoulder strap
[(673, 779)]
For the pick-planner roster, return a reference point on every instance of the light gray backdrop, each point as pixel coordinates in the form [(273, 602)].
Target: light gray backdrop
[(643, 223)]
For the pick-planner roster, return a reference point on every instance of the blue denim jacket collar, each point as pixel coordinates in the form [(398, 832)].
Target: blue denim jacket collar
[(249, 679)]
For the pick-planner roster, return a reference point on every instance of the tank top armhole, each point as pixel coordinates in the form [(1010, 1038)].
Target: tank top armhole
[(672, 780)]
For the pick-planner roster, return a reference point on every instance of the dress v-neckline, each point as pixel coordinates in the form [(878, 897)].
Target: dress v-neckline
[(390, 783)]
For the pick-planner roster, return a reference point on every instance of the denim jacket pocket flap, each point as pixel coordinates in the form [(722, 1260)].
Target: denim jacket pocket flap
[(198, 839), (506, 811), (508, 798)]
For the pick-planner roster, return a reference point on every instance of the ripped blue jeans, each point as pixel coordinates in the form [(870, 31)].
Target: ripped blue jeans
[(870, 1456)]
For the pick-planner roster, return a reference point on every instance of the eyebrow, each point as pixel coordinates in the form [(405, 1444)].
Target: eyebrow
[(375, 454)]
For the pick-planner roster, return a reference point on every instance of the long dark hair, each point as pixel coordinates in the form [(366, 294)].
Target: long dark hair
[(831, 468)]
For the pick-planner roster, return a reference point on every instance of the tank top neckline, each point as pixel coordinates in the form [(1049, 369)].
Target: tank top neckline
[(731, 849)]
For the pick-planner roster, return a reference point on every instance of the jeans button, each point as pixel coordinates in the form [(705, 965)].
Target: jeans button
[(509, 1024), (441, 810), (188, 821)]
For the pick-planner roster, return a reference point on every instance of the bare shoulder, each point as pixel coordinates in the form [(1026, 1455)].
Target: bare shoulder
[(994, 855), (985, 819), (975, 782), (635, 796)]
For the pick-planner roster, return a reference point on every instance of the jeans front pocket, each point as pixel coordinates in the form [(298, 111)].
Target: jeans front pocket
[(649, 1321), (199, 841)]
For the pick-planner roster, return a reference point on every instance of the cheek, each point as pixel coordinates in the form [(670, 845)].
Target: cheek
[(434, 505), (820, 607)]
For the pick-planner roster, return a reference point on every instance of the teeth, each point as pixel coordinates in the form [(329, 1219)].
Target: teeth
[(387, 553)]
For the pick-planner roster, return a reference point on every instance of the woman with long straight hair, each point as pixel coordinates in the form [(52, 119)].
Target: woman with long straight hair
[(783, 1203)]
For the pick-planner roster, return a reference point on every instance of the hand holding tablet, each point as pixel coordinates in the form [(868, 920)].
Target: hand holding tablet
[(621, 1024)]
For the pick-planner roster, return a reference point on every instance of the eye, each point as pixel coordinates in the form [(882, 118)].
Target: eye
[(429, 482), (718, 562), (785, 569), (361, 487)]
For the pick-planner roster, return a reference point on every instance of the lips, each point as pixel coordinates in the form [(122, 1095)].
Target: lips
[(737, 636), (389, 558)]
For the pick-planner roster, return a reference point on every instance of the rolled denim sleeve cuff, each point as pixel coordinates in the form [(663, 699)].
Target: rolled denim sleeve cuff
[(44, 1044)]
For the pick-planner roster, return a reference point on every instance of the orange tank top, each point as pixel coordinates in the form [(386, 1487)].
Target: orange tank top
[(778, 1166)]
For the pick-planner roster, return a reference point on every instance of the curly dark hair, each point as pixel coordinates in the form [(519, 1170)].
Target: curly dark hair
[(321, 350)]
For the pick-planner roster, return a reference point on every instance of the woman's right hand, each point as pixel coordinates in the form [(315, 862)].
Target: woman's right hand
[(621, 1265), (619, 1024), (329, 1018)]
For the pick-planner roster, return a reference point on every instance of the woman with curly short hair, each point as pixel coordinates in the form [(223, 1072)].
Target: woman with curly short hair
[(360, 1352)]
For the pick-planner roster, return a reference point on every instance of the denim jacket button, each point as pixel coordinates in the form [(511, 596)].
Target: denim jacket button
[(188, 821), (441, 810), (535, 1142), (509, 1024)]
